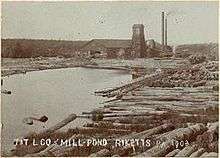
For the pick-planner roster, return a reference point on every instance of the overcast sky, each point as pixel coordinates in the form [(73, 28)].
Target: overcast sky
[(188, 22)]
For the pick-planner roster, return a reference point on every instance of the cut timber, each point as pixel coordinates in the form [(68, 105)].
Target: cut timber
[(124, 89), (101, 153), (44, 153), (108, 125), (133, 114), (125, 151), (209, 139), (49, 151), (204, 154), (159, 130), (159, 150), (198, 153), (22, 150), (172, 153), (129, 120), (187, 151), (72, 150), (59, 125), (153, 131), (150, 118), (188, 133), (212, 154), (92, 131)]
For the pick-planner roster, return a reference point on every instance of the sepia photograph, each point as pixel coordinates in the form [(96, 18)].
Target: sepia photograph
[(109, 78)]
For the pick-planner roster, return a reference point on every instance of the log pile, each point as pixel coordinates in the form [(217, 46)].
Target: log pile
[(188, 76), (154, 120)]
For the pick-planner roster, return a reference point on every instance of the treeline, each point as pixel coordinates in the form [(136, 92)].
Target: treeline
[(26, 48)]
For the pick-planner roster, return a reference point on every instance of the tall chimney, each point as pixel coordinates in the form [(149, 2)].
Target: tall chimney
[(165, 35), (162, 28)]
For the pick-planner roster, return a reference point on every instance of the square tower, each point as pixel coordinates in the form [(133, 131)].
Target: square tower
[(138, 41)]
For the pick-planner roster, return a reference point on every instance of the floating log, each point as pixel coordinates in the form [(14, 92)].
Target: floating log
[(92, 131), (212, 154), (6, 92), (44, 153), (129, 120), (188, 133), (107, 125), (125, 151), (22, 150), (198, 153), (59, 125), (172, 153), (124, 89), (204, 154), (101, 153), (179, 134), (160, 129), (58, 150), (187, 151), (209, 139), (159, 150), (199, 83)]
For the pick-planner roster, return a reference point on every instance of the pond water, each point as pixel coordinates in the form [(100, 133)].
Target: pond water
[(54, 93)]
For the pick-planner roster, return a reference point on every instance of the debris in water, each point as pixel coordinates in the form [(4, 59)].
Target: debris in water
[(30, 120)]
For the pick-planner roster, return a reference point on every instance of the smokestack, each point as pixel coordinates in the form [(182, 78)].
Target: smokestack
[(162, 28), (165, 35)]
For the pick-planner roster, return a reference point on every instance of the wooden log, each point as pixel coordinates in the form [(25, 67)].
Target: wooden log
[(101, 153), (150, 118), (172, 153), (43, 153), (213, 126), (198, 153), (199, 83), (188, 133), (213, 146), (212, 154), (209, 139), (59, 125), (22, 150), (70, 149), (187, 151), (130, 120), (180, 134), (92, 131), (128, 150), (124, 89), (160, 129), (49, 151), (110, 125), (204, 154), (159, 150)]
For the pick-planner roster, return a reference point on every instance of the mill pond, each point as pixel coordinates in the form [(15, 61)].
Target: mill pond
[(53, 93)]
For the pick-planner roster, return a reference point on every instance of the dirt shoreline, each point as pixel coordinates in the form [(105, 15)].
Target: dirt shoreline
[(12, 66)]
